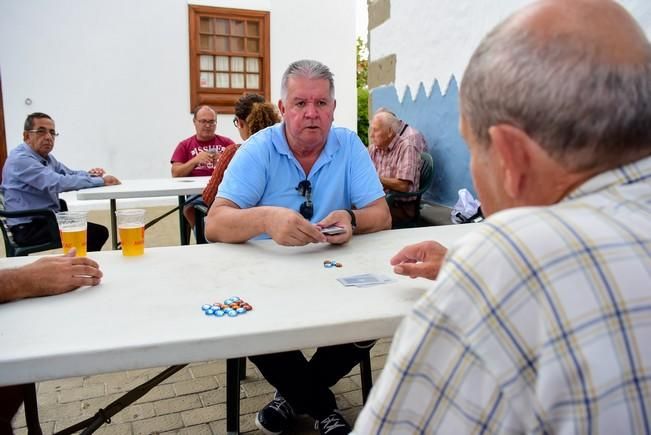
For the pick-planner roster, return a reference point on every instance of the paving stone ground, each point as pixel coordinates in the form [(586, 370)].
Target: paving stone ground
[(192, 401)]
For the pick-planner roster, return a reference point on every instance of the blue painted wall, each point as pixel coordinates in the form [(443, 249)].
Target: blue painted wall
[(437, 117)]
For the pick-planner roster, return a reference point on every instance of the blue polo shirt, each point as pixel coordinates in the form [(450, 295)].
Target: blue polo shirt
[(264, 171)]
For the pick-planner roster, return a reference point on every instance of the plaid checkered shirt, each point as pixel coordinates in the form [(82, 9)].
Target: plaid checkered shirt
[(401, 159), (539, 322)]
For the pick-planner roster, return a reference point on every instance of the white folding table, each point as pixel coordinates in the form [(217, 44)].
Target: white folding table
[(146, 188), (147, 310)]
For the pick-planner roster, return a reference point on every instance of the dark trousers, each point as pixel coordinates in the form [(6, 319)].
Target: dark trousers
[(35, 232), (403, 212), (10, 400), (306, 384)]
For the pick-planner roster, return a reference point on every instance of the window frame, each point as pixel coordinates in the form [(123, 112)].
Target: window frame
[(222, 100)]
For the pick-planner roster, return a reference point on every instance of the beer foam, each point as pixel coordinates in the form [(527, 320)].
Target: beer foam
[(72, 230)]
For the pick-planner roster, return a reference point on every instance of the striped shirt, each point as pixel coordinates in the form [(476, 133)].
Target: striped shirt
[(539, 322), (401, 159)]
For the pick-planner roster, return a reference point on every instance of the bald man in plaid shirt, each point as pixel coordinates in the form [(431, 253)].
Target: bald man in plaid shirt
[(539, 321), (395, 151)]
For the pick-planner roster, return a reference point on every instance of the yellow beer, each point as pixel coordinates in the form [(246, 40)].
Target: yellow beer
[(74, 238), (133, 240)]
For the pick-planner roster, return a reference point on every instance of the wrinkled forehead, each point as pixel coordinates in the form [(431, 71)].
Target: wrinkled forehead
[(205, 114), (308, 88), (378, 125)]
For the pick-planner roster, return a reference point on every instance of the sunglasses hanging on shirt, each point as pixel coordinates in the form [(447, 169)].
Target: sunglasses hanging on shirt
[(305, 189)]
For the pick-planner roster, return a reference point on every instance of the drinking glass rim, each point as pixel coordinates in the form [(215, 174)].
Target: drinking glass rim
[(71, 213), (130, 211)]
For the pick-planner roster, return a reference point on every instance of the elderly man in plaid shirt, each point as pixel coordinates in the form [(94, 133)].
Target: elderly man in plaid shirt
[(539, 321), (395, 150)]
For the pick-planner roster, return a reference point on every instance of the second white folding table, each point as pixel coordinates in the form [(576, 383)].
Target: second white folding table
[(147, 188)]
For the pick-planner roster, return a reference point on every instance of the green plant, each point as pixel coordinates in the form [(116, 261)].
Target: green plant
[(362, 114), (362, 90)]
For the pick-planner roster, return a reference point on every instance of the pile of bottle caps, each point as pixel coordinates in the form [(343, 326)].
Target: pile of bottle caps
[(331, 263), (231, 307)]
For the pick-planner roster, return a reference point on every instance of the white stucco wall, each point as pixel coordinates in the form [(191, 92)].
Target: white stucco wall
[(434, 39), (115, 77)]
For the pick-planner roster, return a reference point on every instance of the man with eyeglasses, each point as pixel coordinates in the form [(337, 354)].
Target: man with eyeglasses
[(32, 179), (287, 183), (196, 156)]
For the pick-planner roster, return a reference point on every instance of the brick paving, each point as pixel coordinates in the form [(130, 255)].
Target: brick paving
[(192, 401)]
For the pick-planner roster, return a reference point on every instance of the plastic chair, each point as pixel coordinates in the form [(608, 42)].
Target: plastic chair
[(426, 179), (12, 249), (200, 212)]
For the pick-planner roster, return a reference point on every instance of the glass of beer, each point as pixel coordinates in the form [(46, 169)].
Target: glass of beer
[(72, 229), (131, 227)]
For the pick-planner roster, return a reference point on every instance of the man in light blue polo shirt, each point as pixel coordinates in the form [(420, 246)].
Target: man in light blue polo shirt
[(288, 182)]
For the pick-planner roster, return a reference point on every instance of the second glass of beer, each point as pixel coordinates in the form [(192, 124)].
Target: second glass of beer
[(72, 229), (131, 227)]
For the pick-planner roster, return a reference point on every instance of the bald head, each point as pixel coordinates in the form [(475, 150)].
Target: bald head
[(387, 120), (574, 75), (384, 127), (603, 24)]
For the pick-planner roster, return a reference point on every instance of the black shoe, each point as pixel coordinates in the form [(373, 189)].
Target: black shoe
[(333, 424), (275, 417)]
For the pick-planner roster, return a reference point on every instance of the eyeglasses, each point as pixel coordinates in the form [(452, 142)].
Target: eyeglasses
[(206, 122), (236, 122), (307, 208), (43, 132)]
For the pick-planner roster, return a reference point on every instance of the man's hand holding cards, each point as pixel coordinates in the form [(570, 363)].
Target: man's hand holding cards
[(333, 230)]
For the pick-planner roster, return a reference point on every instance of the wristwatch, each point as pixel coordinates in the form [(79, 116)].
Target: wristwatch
[(353, 220)]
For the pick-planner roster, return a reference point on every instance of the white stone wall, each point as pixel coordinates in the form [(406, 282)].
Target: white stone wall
[(115, 77), (434, 39)]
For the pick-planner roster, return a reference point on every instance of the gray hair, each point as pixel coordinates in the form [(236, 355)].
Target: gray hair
[(29, 121), (310, 69), (386, 110), (585, 112), (388, 119)]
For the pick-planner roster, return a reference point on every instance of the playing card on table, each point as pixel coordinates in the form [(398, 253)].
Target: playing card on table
[(363, 280)]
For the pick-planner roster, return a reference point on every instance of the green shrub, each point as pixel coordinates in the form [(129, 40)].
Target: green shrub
[(362, 114), (362, 90)]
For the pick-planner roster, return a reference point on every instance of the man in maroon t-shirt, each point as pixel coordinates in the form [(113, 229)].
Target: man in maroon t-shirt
[(196, 156)]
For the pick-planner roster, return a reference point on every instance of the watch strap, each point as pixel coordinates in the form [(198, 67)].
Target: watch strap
[(353, 220)]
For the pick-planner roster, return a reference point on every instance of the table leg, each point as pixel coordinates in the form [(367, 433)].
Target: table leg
[(183, 225), (114, 226), (366, 375), (104, 415), (233, 396), (242, 368), (31, 410)]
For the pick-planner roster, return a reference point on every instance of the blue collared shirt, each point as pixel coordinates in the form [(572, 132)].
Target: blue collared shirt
[(264, 171), (31, 181)]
